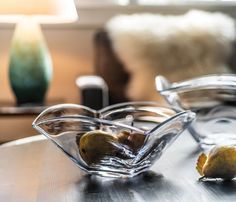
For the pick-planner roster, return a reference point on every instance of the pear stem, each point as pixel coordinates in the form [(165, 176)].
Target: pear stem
[(202, 178)]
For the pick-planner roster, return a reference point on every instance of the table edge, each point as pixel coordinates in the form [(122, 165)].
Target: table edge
[(24, 141)]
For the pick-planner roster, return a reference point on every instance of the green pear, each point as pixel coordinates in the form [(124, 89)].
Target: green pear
[(96, 145)]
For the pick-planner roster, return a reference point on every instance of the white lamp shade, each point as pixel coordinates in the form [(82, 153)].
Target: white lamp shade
[(44, 11)]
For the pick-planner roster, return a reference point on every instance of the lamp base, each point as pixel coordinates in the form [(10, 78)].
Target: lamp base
[(30, 68), (23, 99)]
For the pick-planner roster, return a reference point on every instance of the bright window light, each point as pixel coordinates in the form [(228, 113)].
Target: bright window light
[(143, 2)]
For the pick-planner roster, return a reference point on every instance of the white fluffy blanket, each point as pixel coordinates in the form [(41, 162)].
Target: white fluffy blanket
[(178, 47)]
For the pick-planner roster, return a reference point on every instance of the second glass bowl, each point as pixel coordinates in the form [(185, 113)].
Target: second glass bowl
[(213, 98)]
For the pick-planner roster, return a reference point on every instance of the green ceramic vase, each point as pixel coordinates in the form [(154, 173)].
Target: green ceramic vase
[(30, 67)]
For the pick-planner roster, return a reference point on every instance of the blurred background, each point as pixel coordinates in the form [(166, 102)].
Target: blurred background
[(73, 51)]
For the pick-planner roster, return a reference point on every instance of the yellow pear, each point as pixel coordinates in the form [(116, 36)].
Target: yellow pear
[(220, 163)]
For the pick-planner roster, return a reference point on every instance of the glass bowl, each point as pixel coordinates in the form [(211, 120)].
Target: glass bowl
[(118, 141), (213, 99)]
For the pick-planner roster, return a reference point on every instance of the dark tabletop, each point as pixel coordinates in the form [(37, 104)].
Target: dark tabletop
[(39, 171)]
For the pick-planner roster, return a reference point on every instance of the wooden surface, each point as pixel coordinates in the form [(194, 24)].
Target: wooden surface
[(10, 109), (16, 121), (38, 171), (15, 127)]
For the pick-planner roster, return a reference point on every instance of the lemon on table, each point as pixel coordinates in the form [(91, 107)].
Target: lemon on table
[(220, 163)]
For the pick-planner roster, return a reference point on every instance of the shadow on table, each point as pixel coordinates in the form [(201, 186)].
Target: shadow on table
[(196, 151), (220, 187), (148, 186)]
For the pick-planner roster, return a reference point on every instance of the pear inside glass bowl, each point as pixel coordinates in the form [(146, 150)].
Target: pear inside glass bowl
[(119, 141)]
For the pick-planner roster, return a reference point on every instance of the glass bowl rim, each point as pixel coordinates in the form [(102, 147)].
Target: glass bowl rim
[(90, 119), (136, 103), (102, 120), (210, 82)]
